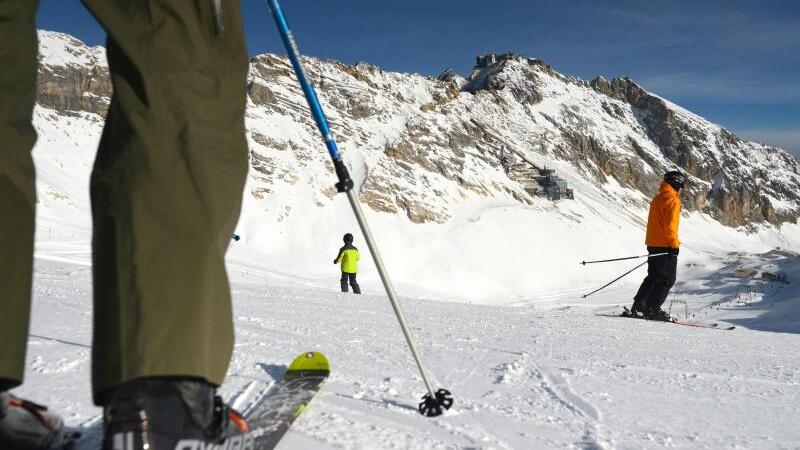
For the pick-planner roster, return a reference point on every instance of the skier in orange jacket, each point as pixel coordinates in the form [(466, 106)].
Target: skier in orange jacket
[(662, 237)]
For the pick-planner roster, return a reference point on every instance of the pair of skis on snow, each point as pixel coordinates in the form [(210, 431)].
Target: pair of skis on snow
[(685, 323), (269, 417)]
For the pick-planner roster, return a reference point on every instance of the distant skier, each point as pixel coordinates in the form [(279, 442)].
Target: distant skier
[(348, 257), (662, 237)]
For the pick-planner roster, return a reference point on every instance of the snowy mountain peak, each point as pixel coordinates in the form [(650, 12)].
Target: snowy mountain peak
[(445, 164), (72, 76), (634, 136), (423, 146), (61, 49)]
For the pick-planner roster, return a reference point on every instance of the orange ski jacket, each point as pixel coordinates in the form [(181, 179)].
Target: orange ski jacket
[(662, 222)]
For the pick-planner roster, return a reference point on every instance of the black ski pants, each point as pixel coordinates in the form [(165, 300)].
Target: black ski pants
[(351, 277), (659, 280)]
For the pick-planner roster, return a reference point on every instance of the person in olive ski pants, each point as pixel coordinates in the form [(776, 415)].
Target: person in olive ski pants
[(166, 192)]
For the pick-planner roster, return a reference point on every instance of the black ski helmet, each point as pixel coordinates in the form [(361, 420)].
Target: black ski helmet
[(348, 238), (675, 178)]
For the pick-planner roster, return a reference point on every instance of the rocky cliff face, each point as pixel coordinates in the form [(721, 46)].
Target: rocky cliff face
[(744, 182), (72, 76), (419, 146)]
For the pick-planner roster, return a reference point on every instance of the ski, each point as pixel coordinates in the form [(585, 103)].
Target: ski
[(710, 325), (268, 417), (713, 325)]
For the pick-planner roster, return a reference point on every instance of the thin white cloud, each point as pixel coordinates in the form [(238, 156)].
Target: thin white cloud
[(723, 88), (788, 140), (635, 17), (726, 29)]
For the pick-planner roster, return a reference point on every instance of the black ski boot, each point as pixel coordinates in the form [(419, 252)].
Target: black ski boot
[(637, 310), (658, 314), (634, 312), (170, 414), (25, 425)]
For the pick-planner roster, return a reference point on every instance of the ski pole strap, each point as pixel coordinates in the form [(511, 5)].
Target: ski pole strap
[(583, 263), (615, 280), (345, 182)]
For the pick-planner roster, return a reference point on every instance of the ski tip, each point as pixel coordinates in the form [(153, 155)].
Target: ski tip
[(309, 364)]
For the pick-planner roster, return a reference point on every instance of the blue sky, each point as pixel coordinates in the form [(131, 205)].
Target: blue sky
[(734, 62)]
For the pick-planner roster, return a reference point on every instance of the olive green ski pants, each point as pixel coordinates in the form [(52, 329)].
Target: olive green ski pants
[(166, 187)]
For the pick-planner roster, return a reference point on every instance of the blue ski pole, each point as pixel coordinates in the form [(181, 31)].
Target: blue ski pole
[(434, 402)]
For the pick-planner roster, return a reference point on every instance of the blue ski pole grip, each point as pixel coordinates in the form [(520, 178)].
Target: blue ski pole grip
[(345, 182)]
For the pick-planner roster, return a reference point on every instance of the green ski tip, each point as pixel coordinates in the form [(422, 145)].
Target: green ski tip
[(309, 364)]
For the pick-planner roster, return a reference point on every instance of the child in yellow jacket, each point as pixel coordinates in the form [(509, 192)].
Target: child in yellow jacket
[(348, 257)]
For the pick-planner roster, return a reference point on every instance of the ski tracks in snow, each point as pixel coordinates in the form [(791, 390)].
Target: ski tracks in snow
[(555, 386), (514, 402)]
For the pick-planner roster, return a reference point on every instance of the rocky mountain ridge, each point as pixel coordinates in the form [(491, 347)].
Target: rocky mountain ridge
[(419, 146)]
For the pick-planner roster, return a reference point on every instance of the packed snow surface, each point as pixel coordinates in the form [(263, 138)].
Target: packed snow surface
[(548, 373)]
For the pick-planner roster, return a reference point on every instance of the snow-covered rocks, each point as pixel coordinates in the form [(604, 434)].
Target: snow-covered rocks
[(424, 145), (427, 158)]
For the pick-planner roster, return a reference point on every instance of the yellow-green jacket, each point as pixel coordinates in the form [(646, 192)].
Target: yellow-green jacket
[(348, 256)]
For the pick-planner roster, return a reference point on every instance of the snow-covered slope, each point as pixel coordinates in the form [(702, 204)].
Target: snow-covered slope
[(542, 375), (425, 154), (427, 146)]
